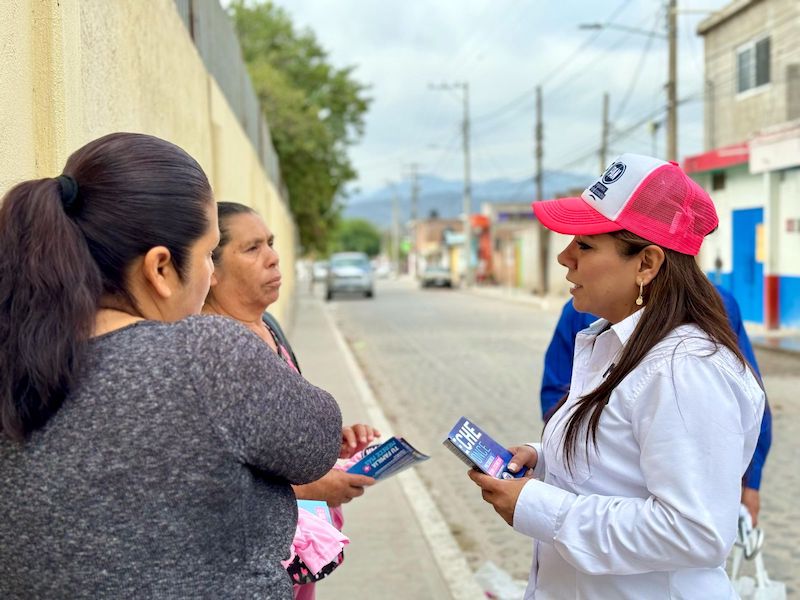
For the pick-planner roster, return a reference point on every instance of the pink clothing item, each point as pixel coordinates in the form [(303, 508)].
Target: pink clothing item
[(307, 591), (316, 542), (284, 354), (336, 511), (344, 464)]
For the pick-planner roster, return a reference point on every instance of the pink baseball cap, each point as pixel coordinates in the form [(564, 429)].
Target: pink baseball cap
[(644, 195)]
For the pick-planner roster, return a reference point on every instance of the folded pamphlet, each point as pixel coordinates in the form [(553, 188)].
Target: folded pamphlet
[(318, 508), (387, 459), (477, 449)]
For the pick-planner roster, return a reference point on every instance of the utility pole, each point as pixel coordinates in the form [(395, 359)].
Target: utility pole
[(654, 127), (672, 80), (467, 197), (395, 234), (544, 233), (414, 175), (467, 191), (604, 136)]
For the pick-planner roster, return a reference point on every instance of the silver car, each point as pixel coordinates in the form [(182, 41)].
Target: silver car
[(349, 272)]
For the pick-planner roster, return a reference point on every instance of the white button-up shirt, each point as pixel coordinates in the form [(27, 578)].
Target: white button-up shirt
[(652, 512)]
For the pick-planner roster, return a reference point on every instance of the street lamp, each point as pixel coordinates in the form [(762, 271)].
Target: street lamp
[(600, 26)]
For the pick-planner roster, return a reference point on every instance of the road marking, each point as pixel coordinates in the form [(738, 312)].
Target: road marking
[(449, 558)]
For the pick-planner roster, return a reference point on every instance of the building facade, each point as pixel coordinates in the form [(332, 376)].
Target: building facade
[(752, 69), (751, 166)]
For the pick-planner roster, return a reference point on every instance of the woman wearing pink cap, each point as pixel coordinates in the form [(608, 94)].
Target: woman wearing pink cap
[(635, 485)]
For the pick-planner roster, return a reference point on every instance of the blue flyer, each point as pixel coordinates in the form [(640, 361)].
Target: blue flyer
[(387, 459), (318, 508), (477, 449)]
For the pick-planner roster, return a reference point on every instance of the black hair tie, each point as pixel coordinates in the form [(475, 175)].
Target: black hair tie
[(69, 192)]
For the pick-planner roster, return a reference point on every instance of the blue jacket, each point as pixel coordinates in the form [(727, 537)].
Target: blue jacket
[(558, 371)]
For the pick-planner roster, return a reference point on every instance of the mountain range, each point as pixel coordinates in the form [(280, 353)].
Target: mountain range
[(443, 197)]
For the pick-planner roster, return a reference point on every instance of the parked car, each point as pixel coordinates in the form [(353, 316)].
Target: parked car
[(349, 272), (382, 269), (436, 276), (319, 271)]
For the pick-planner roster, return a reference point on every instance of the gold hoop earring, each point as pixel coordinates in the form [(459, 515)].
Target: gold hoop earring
[(640, 300)]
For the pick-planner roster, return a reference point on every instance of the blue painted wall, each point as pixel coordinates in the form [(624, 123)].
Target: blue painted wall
[(721, 279), (789, 301), (747, 278)]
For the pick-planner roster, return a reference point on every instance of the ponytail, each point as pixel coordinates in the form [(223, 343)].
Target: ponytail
[(66, 245), (49, 291)]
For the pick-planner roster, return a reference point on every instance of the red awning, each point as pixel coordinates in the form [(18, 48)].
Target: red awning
[(478, 220), (719, 158)]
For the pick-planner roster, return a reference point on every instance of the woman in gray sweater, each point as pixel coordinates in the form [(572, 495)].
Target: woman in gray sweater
[(144, 452)]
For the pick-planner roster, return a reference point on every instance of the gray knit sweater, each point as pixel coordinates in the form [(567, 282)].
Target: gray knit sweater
[(166, 472)]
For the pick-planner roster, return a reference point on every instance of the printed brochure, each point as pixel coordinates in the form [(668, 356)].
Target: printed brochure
[(477, 449), (318, 508), (387, 459)]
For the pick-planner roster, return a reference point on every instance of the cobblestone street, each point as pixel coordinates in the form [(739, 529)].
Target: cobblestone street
[(433, 356)]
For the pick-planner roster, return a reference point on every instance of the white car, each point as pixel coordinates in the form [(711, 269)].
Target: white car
[(349, 272), (436, 276)]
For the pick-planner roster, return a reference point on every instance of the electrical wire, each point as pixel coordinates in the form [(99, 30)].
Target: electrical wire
[(637, 72), (521, 98)]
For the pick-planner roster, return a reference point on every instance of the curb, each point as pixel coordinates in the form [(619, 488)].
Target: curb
[(766, 346), (450, 560)]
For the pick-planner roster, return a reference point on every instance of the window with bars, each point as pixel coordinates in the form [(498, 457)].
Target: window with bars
[(752, 65)]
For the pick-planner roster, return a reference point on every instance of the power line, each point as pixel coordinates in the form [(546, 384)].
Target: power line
[(557, 69), (637, 72), (554, 90), (622, 134), (489, 33)]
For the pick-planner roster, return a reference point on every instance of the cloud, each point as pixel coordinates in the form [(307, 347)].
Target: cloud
[(503, 48)]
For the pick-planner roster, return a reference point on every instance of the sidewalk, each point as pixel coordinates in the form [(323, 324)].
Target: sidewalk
[(781, 340), (389, 555)]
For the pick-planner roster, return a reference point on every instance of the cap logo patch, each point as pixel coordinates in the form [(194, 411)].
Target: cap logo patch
[(598, 191), (613, 173)]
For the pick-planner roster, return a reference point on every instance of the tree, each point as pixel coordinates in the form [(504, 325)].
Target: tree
[(357, 235), (315, 113)]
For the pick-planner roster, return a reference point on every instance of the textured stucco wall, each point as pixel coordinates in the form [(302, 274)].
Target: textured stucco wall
[(73, 70), (731, 117), (16, 94)]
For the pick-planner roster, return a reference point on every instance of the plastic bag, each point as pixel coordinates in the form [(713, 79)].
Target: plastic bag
[(499, 584), (748, 547)]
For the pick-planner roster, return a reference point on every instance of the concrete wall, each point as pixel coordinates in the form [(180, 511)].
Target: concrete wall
[(781, 250), (215, 39), (742, 190), (789, 210), (732, 117), (529, 259), (73, 70)]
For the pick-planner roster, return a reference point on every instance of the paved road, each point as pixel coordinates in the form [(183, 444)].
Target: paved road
[(435, 355)]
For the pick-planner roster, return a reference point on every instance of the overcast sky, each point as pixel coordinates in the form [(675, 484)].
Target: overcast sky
[(504, 48)]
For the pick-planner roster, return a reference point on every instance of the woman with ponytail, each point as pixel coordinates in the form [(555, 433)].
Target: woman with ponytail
[(634, 489), (145, 451)]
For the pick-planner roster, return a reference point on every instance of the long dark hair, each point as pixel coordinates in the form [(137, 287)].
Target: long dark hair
[(59, 256), (225, 211), (679, 294)]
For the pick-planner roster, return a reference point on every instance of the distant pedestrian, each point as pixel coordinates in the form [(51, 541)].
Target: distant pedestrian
[(245, 283), (144, 452), (636, 483), (558, 374)]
